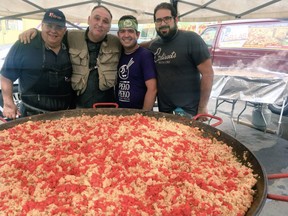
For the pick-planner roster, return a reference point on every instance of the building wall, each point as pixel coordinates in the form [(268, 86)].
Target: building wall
[(10, 29)]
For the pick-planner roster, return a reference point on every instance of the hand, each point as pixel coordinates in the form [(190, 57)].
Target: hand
[(26, 36), (11, 111), (202, 110)]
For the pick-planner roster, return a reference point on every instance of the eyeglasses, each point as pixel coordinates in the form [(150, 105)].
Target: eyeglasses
[(53, 26), (166, 19)]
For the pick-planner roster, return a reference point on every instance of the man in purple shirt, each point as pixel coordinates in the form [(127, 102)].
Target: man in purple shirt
[(136, 84)]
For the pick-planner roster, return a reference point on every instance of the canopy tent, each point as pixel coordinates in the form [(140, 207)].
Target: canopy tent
[(77, 11)]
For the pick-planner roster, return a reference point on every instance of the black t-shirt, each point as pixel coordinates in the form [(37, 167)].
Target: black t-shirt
[(178, 78)]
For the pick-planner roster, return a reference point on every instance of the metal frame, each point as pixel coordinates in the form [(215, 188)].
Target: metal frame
[(174, 2), (220, 101)]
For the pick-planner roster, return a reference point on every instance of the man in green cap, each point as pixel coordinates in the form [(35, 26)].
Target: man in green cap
[(136, 82)]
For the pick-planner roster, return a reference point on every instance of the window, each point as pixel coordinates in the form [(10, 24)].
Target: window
[(15, 24), (209, 35)]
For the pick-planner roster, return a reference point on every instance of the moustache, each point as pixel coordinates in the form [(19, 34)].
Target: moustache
[(164, 27)]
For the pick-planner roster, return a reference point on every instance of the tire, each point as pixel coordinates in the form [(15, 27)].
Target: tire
[(276, 108)]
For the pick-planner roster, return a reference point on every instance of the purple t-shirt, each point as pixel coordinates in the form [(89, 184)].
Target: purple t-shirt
[(133, 70)]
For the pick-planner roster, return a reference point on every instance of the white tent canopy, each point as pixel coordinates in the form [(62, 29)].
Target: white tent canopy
[(77, 11)]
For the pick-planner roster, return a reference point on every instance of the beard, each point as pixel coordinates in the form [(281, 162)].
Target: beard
[(171, 31)]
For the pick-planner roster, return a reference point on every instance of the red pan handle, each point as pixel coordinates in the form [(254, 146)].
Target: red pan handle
[(95, 105), (2, 119), (277, 175), (220, 121), (276, 196)]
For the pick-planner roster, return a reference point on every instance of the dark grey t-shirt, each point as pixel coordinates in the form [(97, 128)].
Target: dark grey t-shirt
[(177, 74)]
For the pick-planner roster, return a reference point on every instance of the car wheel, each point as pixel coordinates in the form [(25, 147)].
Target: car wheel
[(276, 108)]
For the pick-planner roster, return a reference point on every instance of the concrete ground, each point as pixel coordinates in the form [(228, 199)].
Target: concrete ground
[(270, 149)]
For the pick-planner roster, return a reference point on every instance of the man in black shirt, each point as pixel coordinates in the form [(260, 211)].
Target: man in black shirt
[(184, 67), (43, 68)]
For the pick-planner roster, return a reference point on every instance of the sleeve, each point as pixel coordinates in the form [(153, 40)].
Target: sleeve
[(197, 49), (148, 65), (11, 68)]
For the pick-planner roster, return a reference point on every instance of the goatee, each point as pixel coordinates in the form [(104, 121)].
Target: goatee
[(169, 35)]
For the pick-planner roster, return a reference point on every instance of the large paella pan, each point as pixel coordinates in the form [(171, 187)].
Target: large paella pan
[(244, 155)]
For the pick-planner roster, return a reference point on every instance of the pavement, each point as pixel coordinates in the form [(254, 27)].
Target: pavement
[(270, 149)]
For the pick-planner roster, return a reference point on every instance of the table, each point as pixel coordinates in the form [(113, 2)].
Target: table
[(251, 86)]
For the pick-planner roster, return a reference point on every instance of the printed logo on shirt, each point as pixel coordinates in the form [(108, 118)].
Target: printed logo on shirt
[(162, 58), (67, 79), (124, 91), (124, 86), (124, 70)]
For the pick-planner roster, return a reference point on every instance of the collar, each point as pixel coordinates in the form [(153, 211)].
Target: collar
[(134, 50), (62, 46)]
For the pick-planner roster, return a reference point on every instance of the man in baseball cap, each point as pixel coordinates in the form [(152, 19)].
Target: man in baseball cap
[(53, 28), (43, 68)]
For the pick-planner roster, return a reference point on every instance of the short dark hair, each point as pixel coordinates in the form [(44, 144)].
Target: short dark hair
[(101, 6), (165, 5), (128, 17)]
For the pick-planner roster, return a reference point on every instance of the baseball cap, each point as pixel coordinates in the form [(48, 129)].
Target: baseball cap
[(54, 16)]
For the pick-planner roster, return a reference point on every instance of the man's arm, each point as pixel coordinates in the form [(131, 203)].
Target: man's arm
[(150, 95), (145, 44), (26, 36), (207, 73), (10, 110)]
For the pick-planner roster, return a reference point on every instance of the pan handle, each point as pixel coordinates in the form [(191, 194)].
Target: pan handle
[(95, 105), (278, 175), (3, 119), (276, 196), (220, 120)]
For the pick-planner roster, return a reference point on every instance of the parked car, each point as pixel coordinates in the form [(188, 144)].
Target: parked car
[(261, 43)]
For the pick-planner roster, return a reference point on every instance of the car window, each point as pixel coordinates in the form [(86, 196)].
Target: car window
[(209, 35), (255, 36)]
